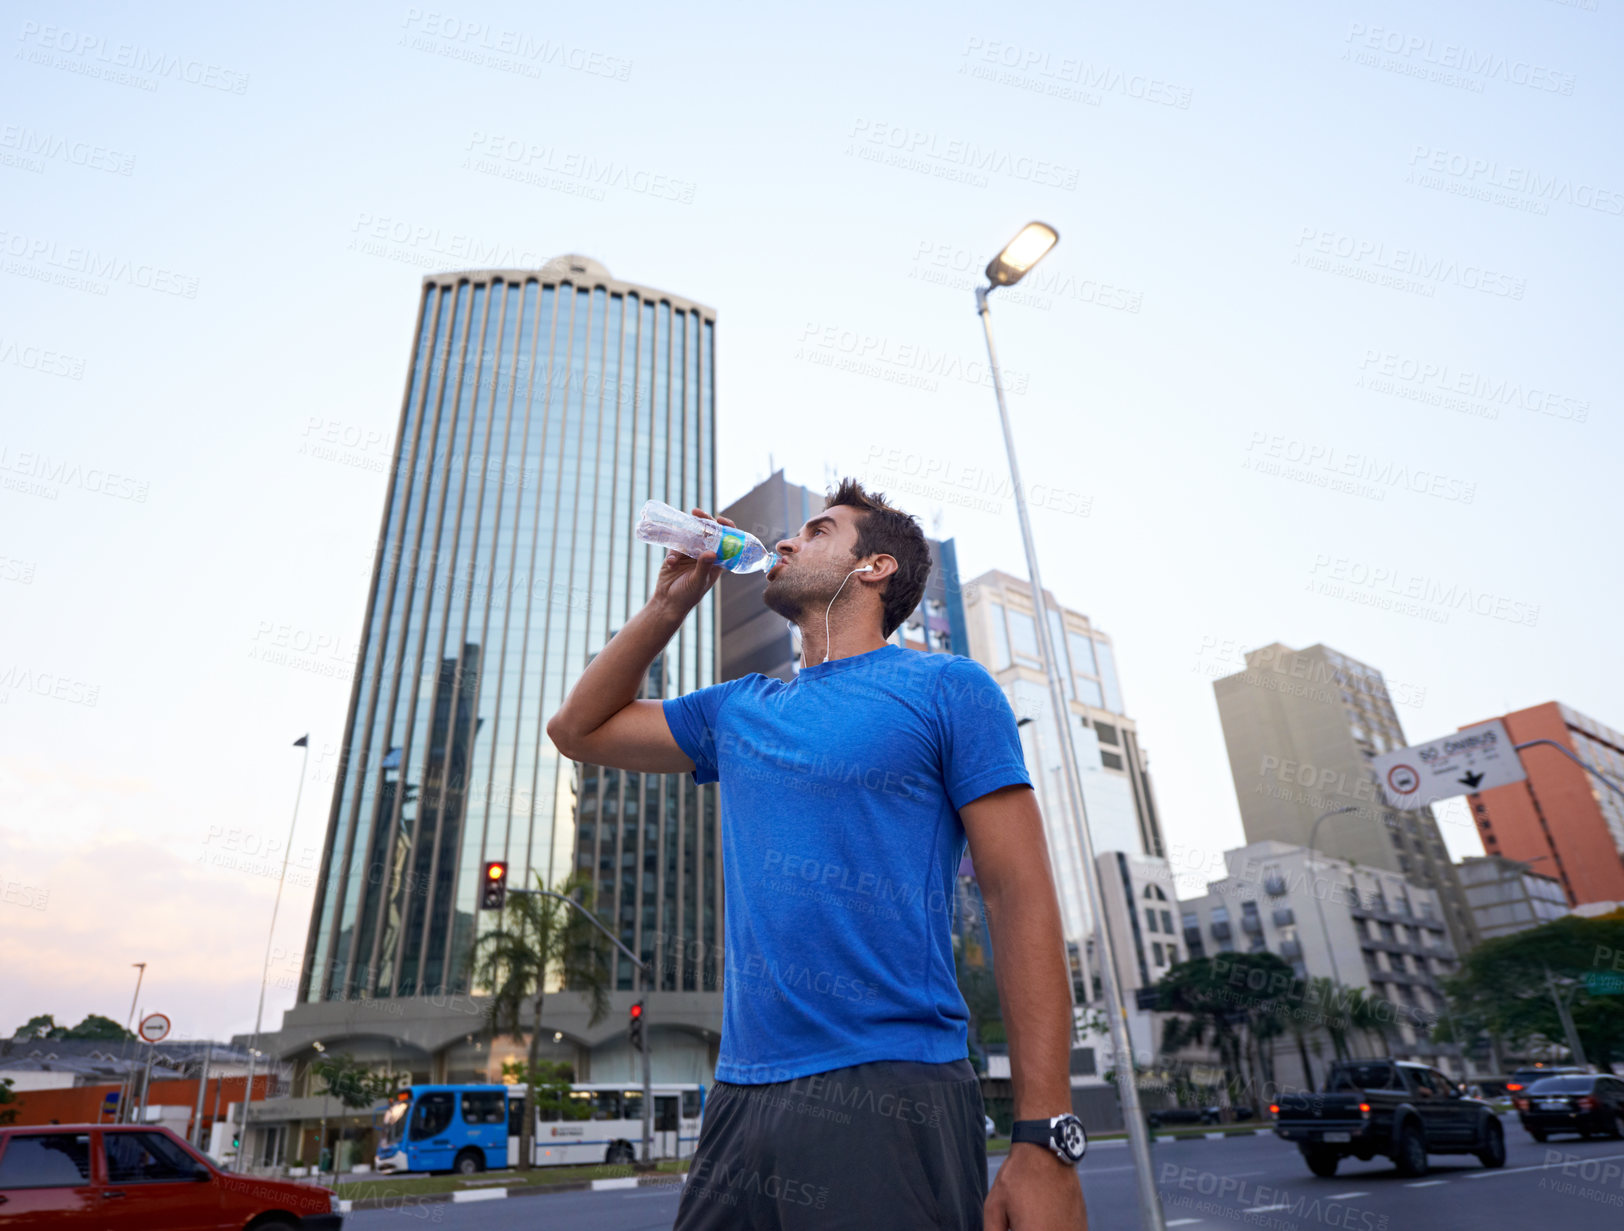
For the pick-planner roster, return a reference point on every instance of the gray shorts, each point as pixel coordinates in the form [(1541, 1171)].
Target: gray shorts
[(898, 1144)]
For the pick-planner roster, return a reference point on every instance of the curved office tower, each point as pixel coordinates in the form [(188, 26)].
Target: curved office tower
[(542, 408)]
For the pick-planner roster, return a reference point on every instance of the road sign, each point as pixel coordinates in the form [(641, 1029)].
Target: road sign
[(1604, 983), (153, 1027), (1475, 759)]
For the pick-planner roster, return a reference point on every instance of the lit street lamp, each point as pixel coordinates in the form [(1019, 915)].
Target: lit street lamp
[(1006, 269)]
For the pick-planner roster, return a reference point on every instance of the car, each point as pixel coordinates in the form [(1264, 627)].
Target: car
[(1583, 1103), (1520, 1080), (1394, 1108), (141, 1177), (991, 1128)]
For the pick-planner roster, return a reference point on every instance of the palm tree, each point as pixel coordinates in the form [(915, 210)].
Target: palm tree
[(535, 936), (1371, 1016), (1328, 996)]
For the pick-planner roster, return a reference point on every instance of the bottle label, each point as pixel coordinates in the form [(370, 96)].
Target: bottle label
[(730, 546)]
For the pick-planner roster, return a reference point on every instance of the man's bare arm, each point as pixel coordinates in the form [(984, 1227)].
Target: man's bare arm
[(601, 721), (1011, 860), (1005, 828)]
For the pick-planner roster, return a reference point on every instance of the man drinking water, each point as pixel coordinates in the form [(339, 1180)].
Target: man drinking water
[(843, 1096)]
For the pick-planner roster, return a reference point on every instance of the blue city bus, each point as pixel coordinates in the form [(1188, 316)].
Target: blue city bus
[(471, 1128)]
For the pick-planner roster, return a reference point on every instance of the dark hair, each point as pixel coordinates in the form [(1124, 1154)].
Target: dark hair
[(883, 530)]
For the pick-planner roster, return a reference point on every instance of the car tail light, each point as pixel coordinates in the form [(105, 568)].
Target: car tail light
[(1585, 1103), (1274, 1109), (1364, 1110), (1514, 1085)]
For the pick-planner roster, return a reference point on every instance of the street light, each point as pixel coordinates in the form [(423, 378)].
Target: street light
[(1006, 269), (265, 970), (1313, 834)]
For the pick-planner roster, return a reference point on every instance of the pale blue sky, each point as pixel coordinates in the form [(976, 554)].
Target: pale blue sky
[(1186, 156)]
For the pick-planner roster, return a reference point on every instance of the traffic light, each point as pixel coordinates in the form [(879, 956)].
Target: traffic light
[(493, 886), (635, 1027)]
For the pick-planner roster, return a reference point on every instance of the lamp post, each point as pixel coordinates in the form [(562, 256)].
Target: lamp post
[(1006, 269), (125, 1099), (1319, 907), (265, 969)]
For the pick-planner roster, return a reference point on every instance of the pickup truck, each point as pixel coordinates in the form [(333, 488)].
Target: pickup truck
[(1393, 1108)]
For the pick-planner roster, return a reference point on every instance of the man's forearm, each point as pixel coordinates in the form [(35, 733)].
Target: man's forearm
[(615, 675), (1030, 964)]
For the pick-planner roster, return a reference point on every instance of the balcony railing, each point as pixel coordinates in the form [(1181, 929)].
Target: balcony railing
[(1251, 923), (1274, 885), (1284, 916)]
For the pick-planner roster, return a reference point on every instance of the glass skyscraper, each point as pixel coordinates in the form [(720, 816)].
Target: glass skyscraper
[(542, 408)]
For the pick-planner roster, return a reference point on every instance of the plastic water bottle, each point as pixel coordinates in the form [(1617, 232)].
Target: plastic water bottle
[(738, 551)]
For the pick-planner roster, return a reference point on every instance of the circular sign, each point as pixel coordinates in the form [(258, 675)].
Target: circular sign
[(154, 1027), (1403, 779)]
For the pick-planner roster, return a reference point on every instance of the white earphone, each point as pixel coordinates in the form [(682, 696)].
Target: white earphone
[(866, 568)]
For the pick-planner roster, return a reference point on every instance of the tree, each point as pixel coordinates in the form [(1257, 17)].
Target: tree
[(8, 1115), (95, 1026), (537, 936), (42, 1027), (1232, 1003), (353, 1084), (1503, 987), (549, 1082)]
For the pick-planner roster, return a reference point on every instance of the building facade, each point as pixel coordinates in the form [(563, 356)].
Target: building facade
[(1506, 896), (1143, 906), (1327, 917), (1301, 728), (1560, 814), (541, 409)]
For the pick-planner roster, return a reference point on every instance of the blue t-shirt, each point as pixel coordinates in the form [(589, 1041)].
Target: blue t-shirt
[(841, 839)]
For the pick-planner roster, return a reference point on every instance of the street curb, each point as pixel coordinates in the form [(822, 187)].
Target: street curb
[(346, 1206)]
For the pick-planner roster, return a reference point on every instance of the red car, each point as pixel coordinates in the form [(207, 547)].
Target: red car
[(134, 1177)]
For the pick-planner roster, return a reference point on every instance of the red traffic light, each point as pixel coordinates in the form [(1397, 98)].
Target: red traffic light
[(637, 1010), (493, 894)]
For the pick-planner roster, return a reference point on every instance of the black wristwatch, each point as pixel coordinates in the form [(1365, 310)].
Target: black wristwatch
[(1062, 1134)]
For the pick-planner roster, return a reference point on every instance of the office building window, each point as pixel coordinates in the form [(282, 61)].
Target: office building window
[(1000, 635), (1023, 637)]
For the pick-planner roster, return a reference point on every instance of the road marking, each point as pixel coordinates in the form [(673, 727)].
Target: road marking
[(1426, 1183), (1576, 1160), (1345, 1196), (1264, 1209), (1183, 1222), (479, 1194), (629, 1181)]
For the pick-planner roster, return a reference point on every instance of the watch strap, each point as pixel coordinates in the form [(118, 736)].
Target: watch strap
[(1035, 1131), (1060, 1135)]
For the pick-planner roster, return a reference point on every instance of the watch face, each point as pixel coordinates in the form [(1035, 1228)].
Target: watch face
[(1070, 1138)]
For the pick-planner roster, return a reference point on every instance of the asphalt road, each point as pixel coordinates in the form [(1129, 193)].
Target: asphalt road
[(1243, 1181)]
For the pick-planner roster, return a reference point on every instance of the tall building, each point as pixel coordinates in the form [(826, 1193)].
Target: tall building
[(1002, 629), (1329, 918), (541, 409), (1142, 904), (1301, 727), (755, 638), (1560, 814), (1506, 896)]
